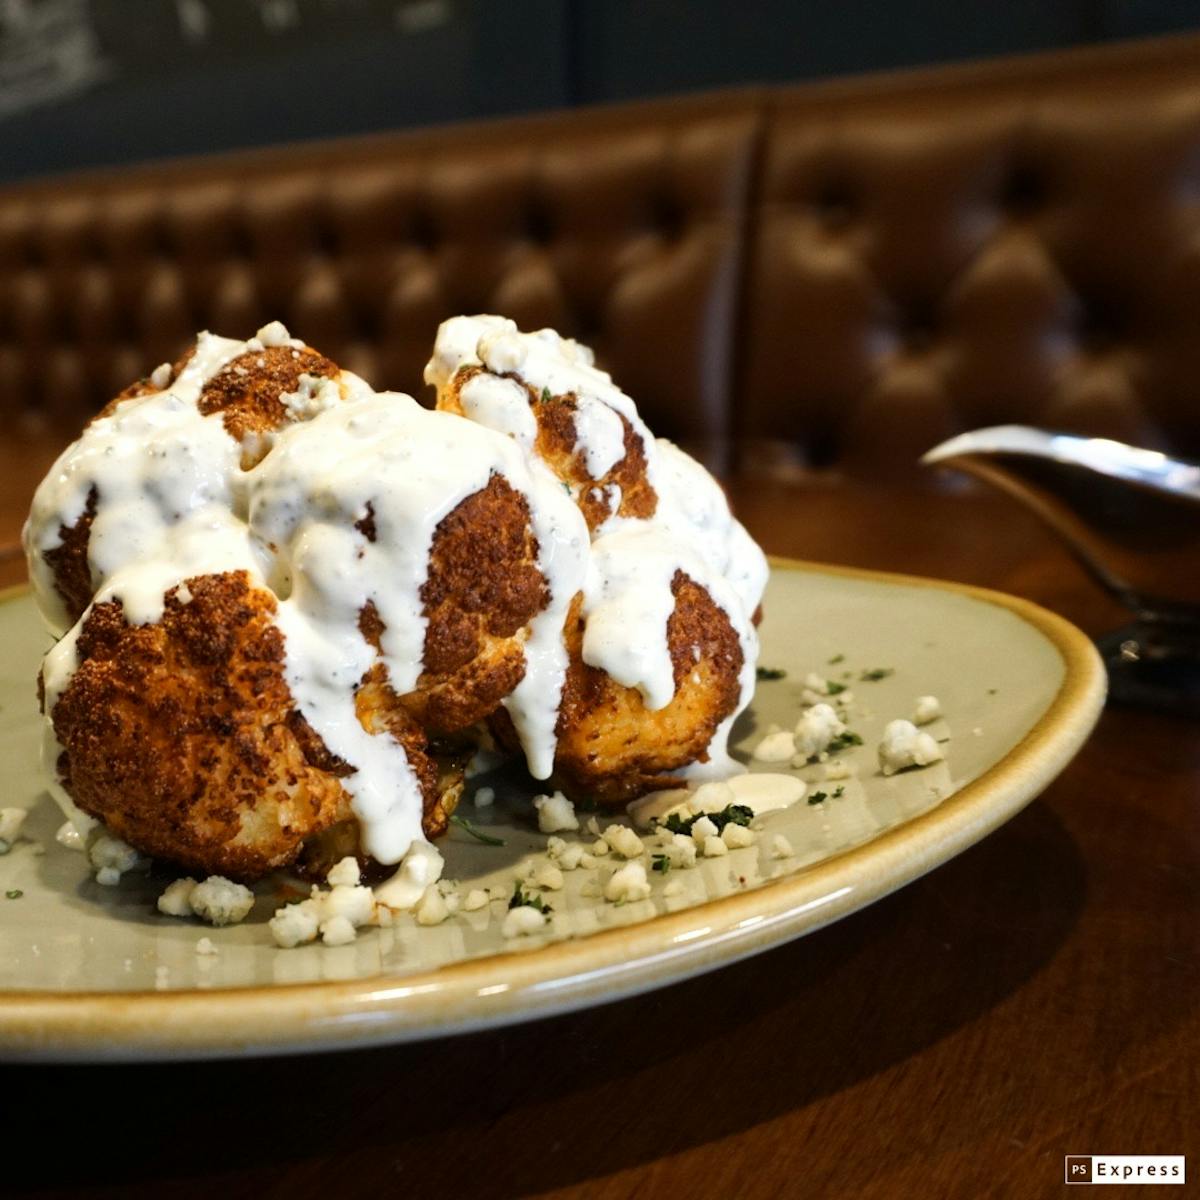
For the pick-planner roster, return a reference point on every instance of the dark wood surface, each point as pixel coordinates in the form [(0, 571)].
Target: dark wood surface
[(1035, 997)]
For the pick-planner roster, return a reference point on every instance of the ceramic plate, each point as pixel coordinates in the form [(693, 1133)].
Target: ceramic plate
[(90, 973)]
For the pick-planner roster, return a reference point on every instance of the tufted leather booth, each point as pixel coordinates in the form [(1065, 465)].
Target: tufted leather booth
[(624, 228), (824, 278), (1012, 242)]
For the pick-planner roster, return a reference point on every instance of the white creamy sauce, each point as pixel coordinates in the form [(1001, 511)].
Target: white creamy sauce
[(627, 602), (600, 435), (74, 833), (502, 405), (562, 536), (763, 792), (409, 468), (155, 462)]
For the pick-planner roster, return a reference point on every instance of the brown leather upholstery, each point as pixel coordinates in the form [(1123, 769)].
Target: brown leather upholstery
[(622, 227), (832, 276), (1018, 242)]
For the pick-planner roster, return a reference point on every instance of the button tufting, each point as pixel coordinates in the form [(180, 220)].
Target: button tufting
[(422, 231), (833, 203), (1103, 321), (666, 217), (1024, 190), (539, 225)]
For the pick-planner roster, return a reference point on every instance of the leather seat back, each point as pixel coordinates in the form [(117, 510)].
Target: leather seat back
[(624, 228), (1015, 242)]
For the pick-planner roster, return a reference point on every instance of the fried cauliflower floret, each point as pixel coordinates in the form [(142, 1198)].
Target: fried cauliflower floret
[(560, 447), (611, 748), (248, 393), (414, 575), (181, 736), (257, 393)]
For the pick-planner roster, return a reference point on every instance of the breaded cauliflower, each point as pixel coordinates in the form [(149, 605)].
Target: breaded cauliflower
[(181, 736), (289, 604), (543, 391)]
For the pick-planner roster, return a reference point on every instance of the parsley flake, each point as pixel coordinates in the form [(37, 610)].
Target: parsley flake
[(837, 792), (837, 658), (521, 898), (660, 862), (731, 814), (842, 742), (478, 834), (875, 674), (770, 673), (545, 395), (818, 797), (833, 688), (14, 894)]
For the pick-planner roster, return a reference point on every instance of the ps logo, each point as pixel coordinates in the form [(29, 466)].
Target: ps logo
[(1079, 1168)]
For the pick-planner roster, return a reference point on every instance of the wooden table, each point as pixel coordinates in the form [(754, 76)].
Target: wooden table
[(1035, 997)]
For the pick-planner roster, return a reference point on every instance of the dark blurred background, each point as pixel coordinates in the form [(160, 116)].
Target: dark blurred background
[(91, 82)]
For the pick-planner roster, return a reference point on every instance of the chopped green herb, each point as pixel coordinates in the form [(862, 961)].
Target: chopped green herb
[(731, 814), (837, 658), (843, 741), (478, 834), (991, 691), (14, 894), (833, 688), (660, 862), (770, 673), (942, 741), (876, 674), (545, 395), (522, 898), (818, 797), (566, 487), (837, 792)]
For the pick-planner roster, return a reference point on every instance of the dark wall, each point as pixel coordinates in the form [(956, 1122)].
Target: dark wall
[(90, 82)]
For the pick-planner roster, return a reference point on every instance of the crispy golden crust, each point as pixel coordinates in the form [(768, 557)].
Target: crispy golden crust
[(483, 589), (611, 748), (182, 738), (177, 734), (556, 446), (246, 392), (69, 561)]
